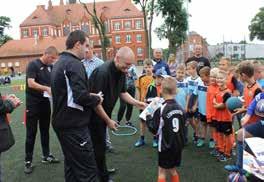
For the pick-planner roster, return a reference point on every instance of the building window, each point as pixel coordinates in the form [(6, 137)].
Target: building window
[(106, 27), (35, 32), (17, 64), (138, 24), (45, 32), (128, 25), (117, 26), (66, 30), (128, 38), (10, 64), (85, 27), (3, 65), (139, 51), (25, 33), (139, 37), (235, 48), (117, 39)]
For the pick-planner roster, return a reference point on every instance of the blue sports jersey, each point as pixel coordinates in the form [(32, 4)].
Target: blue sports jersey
[(202, 93), (193, 85), (252, 106), (182, 88), (261, 83)]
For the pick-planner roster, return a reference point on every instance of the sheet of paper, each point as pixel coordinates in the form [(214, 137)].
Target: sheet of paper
[(152, 107)]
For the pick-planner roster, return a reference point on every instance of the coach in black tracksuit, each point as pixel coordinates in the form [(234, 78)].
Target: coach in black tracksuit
[(38, 106), (72, 107), (110, 79)]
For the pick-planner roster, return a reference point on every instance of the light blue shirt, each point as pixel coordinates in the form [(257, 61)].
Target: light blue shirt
[(182, 88), (90, 65), (202, 93)]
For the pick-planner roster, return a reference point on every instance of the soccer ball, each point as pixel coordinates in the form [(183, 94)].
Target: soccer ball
[(259, 110), (236, 177), (233, 103)]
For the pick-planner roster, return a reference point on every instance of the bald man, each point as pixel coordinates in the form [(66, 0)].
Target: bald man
[(198, 57), (110, 79)]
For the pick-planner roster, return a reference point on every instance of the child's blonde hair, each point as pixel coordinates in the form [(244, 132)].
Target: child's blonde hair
[(181, 67), (168, 86), (214, 71), (205, 71), (148, 62), (192, 64)]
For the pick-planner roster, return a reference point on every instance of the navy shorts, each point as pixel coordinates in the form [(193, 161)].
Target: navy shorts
[(202, 118), (256, 129), (225, 128), (213, 123), (169, 159), (192, 114)]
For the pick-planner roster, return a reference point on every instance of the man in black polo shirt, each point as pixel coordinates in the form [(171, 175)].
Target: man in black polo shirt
[(72, 107), (38, 106), (198, 57), (110, 79)]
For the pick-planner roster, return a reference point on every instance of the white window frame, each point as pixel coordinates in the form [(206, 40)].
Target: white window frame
[(116, 38), (128, 23), (117, 26), (139, 53), (128, 38), (139, 39), (138, 24)]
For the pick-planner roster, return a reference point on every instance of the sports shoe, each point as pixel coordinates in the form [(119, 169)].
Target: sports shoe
[(139, 143), (222, 158), (200, 143), (215, 153), (231, 168), (211, 144), (128, 123), (154, 143), (28, 167), (233, 152), (50, 159)]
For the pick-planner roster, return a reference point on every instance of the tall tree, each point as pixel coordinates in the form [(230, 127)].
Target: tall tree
[(99, 24), (147, 8), (175, 22), (256, 27), (4, 23)]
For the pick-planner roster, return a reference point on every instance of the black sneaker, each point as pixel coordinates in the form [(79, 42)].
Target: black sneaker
[(28, 167), (129, 124), (50, 159)]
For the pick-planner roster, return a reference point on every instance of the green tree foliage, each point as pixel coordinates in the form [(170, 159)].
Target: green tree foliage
[(147, 8), (256, 27), (4, 23), (175, 22), (99, 24)]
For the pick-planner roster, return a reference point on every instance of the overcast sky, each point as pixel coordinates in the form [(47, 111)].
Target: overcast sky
[(216, 20)]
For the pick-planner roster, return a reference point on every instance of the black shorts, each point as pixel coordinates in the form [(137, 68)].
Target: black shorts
[(213, 124), (192, 114), (225, 128), (202, 118), (256, 129), (169, 159)]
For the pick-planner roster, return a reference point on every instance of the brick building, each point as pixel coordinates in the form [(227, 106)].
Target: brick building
[(50, 25)]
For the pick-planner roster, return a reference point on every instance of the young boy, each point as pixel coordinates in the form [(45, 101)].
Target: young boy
[(251, 89), (202, 94), (191, 103), (168, 124), (181, 96), (232, 82), (154, 90), (210, 110), (259, 73), (142, 85), (224, 118)]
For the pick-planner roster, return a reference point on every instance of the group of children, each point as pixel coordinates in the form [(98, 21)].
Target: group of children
[(197, 98)]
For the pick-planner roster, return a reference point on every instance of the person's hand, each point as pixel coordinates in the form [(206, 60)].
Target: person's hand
[(112, 124), (141, 105), (15, 100), (238, 111), (245, 119), (48, 90)]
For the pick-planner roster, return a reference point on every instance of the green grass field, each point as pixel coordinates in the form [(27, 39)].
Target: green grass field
[(134, 164)]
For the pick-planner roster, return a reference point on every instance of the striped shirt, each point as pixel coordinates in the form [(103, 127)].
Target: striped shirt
[(91, 64)]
